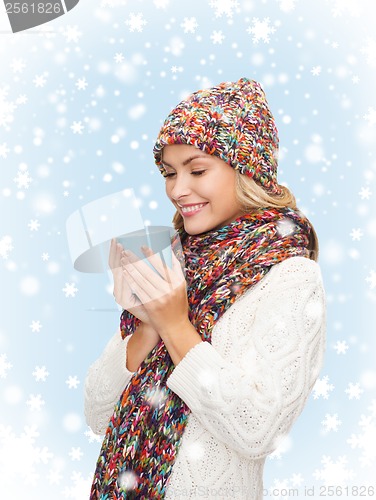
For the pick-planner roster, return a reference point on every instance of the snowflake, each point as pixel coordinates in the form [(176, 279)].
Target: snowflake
[(331, 422), (72, 34), (316, 70), (54, 477), (322, 388), (23, 179), (40, 374), (78, 486), (75, 454), (4, 150), (72, 382), (40, 81), (260, 30), (189, 24), (7, 109), (286, 5), (81, 84), (217, 37), (371, 279), (365, 193), (365, 441), (93, 437), (224, 7), (354, 391), (371, 116), (10, 446), (334, 472), (161, 4), (136, 22), (369, 50), (36, 326), (34, 225), (45, 257), (5, 247), (35, 402), (350, 7), (70, 290), (4, 366), (17, 65), (119, 57), (356, 234), (77, 127), (341, 347)]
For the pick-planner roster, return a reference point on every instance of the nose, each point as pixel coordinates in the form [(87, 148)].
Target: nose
[(179, 186)]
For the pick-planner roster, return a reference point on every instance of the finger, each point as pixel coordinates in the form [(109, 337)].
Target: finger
[(159, 264), (111, 257)]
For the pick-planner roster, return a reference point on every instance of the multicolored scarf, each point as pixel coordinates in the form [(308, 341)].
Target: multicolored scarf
[(145, 431)]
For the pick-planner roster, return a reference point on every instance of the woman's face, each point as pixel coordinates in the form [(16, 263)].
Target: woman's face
[(201, 187)]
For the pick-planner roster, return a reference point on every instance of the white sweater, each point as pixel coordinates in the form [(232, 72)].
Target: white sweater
[(245, 390)]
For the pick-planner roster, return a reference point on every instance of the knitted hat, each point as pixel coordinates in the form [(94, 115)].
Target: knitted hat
[(231, 121)]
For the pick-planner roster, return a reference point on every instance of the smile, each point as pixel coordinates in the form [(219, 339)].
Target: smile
[(193, 209)]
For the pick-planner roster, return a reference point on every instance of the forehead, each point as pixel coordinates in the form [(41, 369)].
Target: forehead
[(181, 152)]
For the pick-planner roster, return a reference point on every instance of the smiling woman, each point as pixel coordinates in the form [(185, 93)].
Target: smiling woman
[(216, 356)]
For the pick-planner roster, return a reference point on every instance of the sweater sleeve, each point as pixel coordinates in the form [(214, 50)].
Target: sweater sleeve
[(250, 400), (106, 379)]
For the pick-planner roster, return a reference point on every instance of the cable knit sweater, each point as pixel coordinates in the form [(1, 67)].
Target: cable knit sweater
[(244, 390)]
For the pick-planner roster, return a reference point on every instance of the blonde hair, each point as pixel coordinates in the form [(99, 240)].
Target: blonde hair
[(251, 195)]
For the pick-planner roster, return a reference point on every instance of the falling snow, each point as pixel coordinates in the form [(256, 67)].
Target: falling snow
[(70, 290), (224, 7), (136, 22), (5, 366), (322, 388), (261, 30)]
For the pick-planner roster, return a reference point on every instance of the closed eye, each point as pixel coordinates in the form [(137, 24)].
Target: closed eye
[(195, 172)]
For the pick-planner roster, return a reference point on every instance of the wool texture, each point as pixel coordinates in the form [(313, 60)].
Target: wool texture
[(148, 422), (232, 121)]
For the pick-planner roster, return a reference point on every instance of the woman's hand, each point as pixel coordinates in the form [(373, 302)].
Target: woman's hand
[(122, 292), (163, 294)]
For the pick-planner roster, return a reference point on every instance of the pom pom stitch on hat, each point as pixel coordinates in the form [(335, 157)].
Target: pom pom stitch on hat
[(232, 121)]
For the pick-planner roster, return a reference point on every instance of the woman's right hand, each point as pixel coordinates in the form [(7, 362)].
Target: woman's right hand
[(122, 291)]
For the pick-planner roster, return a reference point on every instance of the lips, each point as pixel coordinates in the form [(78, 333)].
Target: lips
[(191, 209)]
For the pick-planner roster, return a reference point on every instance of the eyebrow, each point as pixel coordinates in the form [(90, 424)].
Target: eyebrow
[(185, 162)]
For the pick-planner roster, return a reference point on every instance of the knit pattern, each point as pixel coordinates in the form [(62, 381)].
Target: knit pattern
[(148, 422), (232, 121)]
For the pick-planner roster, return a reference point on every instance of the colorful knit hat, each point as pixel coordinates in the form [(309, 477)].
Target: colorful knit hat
[(231, 121)]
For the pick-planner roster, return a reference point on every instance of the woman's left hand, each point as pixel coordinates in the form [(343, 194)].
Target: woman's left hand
[(163, 295)]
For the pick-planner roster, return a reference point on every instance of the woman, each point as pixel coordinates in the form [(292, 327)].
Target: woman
[(217, 355)]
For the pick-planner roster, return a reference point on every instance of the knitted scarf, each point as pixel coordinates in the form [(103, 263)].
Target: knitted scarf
[(145, 431)]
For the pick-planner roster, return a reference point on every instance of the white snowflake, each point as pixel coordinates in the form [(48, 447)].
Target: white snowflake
[(136, 22), (23, 179), (371, 116), (34, 225), (93, 438), (4, 150), (354, 391), (5, 247), (18, 65), (217, 37), (356, 234), (365, 193), (36, 326), (316, 70), (334, 472), (119, 57), (40, 81), (79, 487), (45, 257), (54, 477), (4, 365), (35, 402), (371, 279), (70, 290), (340, 7), (77, 127), (224, 7), (331, 422), (287, 5), (189, 25), (369, 50), (75, 454), (81, 84), (72, 382), (7, 109), (40, 374), (341, 347), (72, 34), (261, 30), (366, 439), (10, 446), (322, 388)]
